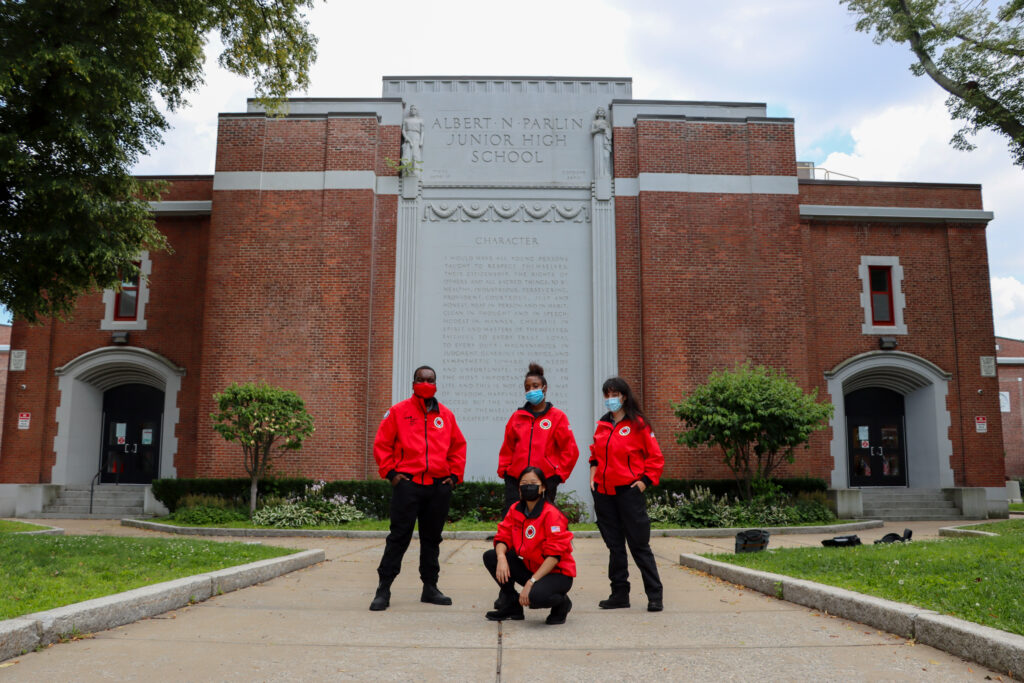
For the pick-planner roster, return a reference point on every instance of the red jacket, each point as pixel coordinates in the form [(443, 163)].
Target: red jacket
[(425, 444), (543, 441), (538, 535), (624, 453)]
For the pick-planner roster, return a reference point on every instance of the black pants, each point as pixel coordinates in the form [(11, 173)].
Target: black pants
[(512, 491), (410, 503), (622, 519), (548, 592)]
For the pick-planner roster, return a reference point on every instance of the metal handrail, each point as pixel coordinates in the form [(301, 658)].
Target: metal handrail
[(91, 487)]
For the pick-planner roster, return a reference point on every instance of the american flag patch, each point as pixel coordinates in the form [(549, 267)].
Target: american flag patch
[(555, 529)]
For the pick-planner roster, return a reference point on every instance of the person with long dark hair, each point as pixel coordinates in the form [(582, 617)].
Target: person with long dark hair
[(532, 548), (537, 435), (625, 460)]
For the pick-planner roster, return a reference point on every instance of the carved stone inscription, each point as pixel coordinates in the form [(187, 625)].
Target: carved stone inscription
[(496, 296), (493, 306), (507, 139)]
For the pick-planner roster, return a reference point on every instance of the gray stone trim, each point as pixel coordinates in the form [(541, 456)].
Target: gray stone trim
[(990, 647), (1009, 360), (25, 633), (182, 208), (899, 299), (902, 355), (110, 298), (624, 113), (296, 181), (387, 110), (705, 183), (893, 213), (716, 119)]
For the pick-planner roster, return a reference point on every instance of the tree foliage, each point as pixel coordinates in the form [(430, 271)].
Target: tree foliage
[(973, 53), (263, 420), (756, 415), (81, 88)]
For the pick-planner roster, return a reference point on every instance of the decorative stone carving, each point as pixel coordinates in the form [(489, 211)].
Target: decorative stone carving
[(601, 131), (515, 213), (412, 142)]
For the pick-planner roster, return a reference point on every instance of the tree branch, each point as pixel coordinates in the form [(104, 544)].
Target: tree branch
[(1001, 117)]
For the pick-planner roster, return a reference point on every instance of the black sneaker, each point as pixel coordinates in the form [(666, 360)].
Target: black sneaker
[(615, 601), (654, 605), (381, 599), (433, 596), (559, 612)]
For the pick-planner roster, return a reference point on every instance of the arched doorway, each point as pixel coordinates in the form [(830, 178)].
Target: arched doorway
[(85, 384), (896, 385), (875, 433), (132, 418)]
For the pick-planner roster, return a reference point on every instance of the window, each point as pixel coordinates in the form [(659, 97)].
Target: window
[(126, 310), (880, 279), (882, 295), (126, 303)]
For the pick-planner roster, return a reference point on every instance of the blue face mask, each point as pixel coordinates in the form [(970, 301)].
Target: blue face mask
[(534, 397), (613, 404)]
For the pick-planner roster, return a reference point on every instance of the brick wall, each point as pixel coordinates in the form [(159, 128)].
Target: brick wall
[(1011, 381), (173, 315)]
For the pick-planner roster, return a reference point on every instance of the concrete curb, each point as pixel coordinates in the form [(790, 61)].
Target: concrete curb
[(964, 531), (990, 647), (484, 535), (27, 632), (49, 531)]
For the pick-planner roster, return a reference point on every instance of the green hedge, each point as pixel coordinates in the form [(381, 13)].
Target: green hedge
[(475, 500)]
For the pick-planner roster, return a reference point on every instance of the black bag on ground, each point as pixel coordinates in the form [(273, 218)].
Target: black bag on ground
[(752, 540), (896, 538), (842, 541)]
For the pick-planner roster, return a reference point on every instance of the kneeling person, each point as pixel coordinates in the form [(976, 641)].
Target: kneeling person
[(533, 548)]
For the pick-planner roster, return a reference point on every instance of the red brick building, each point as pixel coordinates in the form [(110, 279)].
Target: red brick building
[(1011, 403), (288, 266)]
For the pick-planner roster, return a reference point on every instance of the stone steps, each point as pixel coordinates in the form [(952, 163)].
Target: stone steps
[(108, 502), (909, 505)]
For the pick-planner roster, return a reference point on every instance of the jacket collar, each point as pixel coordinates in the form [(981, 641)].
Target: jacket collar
[(537, 509), (429, 405), (526, 408)]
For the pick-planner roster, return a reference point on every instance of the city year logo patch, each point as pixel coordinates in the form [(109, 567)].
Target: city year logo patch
[(439, 423), (531, 531), (545, 424), (624, 431)]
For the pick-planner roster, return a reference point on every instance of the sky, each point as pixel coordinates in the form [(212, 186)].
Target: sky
[(858, 109)]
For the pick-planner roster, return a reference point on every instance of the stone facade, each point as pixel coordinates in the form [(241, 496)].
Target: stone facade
[(296, 263)]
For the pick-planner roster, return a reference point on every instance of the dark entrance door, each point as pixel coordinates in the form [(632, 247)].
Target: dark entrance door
[(874, 431), (132, 414)]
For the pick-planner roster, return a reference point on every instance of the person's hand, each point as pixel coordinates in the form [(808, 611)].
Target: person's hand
[(593, 474), (502, 574), (639, 484), (449, 480), (398, 479), (524, 596)]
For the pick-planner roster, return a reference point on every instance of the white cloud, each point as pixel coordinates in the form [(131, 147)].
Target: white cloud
[(1008, 306)]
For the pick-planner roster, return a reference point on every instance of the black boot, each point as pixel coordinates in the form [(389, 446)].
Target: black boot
[(433, 596), (382, 598), (507, 607), (654, 603), (559, 612), (616, 600)]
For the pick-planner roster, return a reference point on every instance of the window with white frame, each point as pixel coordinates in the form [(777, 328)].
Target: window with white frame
[(882, 295), (126, 310)]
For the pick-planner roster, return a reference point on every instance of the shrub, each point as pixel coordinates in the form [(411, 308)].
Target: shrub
[(701, 508), (574, 509), (206, 514)]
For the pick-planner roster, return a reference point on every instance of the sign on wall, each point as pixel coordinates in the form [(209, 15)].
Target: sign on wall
[(18, 357), (988, 366), (23, 420), (1004, 401), (981, 424)]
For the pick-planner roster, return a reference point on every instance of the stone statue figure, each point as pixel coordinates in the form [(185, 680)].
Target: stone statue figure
[(412, 142), (601, 130)]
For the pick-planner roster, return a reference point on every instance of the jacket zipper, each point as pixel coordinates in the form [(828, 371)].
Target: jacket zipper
[(426, 451), (529, 450), (608, 443)]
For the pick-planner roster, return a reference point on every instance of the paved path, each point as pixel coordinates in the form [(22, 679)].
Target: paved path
[(313, 625)]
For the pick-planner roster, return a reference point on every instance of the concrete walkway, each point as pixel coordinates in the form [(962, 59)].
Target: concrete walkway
[(313, 625)]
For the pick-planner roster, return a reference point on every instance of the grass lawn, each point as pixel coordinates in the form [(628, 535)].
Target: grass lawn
[(977, 579), (1016, 507), (10, 527), (43, 572)]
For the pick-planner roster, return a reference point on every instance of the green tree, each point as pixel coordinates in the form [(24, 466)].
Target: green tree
[(756, 415), (81, 88), (263, 420), (975, 55)]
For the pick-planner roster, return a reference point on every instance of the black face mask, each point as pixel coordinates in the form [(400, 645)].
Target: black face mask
[(529, 492)]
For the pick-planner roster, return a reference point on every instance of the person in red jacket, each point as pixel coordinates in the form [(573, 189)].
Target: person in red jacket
[(625, 460), (537, 435), (533, 548), (421, 451)]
